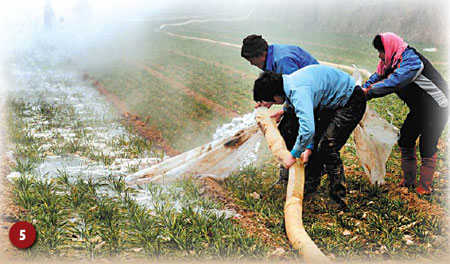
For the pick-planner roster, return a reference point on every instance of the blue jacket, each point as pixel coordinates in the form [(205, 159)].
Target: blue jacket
[(286, 59), (414, 80), (312, 88)]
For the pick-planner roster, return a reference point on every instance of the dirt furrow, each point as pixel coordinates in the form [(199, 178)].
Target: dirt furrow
[(215, 63), (145, 130), (199, 98)]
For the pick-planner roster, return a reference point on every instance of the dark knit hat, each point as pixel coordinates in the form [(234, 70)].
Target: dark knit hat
[(253, 45)]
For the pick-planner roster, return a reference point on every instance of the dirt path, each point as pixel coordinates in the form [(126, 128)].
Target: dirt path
[(145, 130), (199, 98), (191, 21), (222, 43)]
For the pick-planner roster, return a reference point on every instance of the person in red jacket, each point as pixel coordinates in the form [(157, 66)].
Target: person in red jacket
[(404, 71)]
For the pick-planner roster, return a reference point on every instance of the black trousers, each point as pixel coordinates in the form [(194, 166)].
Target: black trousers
[(333, 128), (427, 123)]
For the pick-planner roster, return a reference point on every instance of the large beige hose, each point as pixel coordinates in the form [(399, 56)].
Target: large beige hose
[(365, 73), (296, 233)]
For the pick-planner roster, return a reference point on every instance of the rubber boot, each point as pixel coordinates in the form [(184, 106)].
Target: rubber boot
[(426, 175), (409, 167), (338, 187), (283, 179)]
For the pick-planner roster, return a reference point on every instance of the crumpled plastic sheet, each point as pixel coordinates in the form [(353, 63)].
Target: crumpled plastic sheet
[(374, 138)]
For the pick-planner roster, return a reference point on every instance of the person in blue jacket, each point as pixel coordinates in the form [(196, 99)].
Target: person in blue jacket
[(284, 59), (311, 91), (404, 71)]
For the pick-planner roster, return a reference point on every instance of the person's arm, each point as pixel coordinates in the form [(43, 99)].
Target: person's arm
[(372, 79), (302, 100), (404, 74)]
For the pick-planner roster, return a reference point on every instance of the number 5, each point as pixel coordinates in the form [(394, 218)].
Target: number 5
[(22, 234)]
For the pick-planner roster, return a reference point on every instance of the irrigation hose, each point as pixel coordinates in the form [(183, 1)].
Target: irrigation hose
[(365, 73), (296, 233)]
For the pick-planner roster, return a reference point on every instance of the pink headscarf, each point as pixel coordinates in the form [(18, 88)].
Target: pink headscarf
[(393, 45)]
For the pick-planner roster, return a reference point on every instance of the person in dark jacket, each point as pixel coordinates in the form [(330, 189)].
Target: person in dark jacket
[(283, 59), (406, 72)]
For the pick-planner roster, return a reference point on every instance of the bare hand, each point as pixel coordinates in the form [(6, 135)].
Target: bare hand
[(289, 161), (277, 115), (305, 155)]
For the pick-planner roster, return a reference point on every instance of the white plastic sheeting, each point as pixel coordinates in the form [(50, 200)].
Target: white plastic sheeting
[(218, 158), (374, 138)]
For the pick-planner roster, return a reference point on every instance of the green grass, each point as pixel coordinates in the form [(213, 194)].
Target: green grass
[(271, 204), (76, 219)]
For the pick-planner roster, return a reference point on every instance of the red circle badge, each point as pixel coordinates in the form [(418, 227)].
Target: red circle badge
[(22, 234)]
